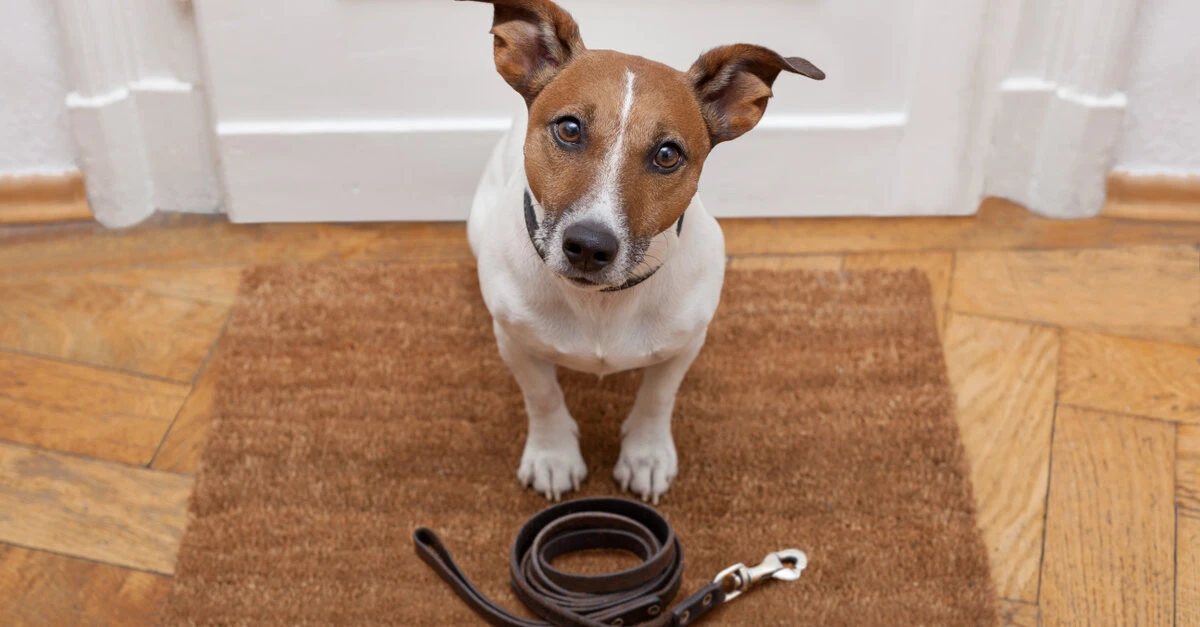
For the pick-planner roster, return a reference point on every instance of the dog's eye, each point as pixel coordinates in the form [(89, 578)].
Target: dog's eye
[(568, 130), (668, 157)]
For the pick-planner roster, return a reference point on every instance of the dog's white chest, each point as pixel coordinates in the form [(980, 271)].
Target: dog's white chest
[(600, 345)]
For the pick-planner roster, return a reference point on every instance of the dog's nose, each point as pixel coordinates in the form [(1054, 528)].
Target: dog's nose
[(589, 246)]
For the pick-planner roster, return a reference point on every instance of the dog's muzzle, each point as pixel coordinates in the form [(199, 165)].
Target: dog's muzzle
[(589, 247)]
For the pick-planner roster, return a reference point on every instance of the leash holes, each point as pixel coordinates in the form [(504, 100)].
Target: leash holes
[(707, 599), (683, 618), (653, 610), (618, 622)]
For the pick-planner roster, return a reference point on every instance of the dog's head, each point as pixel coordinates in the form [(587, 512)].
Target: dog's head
[(616, 143)]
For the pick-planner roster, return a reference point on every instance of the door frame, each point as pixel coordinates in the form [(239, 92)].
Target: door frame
[(1045, 138), (138, 111), (1055, 129)]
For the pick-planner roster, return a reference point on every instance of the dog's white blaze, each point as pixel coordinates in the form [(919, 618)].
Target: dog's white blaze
[(602, 203), (614, 155), (608, 188)]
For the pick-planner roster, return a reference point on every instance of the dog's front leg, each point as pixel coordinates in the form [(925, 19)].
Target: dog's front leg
[(648, 463), (551, 462)]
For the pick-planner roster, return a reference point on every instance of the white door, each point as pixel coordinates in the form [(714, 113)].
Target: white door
[(341, 110)]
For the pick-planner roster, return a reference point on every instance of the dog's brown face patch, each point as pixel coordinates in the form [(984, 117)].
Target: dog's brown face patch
[(628, 109), (616, 143)]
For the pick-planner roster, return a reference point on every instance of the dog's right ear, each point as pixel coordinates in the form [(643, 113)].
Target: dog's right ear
[(534, 39), (733, 84)]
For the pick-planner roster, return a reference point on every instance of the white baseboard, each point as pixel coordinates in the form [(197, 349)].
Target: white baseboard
[(427, 169)]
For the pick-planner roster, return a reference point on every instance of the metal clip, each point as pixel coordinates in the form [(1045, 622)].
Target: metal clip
[(783, 565)]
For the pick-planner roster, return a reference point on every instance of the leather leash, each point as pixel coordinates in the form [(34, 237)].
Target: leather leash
[(636, 596)]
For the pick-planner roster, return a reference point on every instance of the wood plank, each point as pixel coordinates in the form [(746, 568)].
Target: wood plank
[(1187, 466), (39, 212), (97, 510), (1003, 376), (43, 198), (1187, 569), (787, 262), (1130, 376), (1152, 292), (123, 328), (210, 285), (33, 188), (998, 225), (38, 588), (1110, 526), (1153, 197), (936, 266), (194, 240), (1018, 614), (1161, 211), (184, 444), (83, 410), (216, 285)]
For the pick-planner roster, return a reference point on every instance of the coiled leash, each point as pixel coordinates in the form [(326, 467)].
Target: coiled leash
[(636, 596)]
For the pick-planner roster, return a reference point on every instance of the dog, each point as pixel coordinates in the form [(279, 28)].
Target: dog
[(593, 251)]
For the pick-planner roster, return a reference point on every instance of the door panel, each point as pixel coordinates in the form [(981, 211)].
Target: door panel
[(386, 109)]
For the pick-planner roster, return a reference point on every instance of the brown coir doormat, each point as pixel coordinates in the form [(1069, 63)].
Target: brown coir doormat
[(361, 401)]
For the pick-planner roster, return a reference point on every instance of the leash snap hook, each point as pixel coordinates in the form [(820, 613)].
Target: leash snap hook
[(786, 565)]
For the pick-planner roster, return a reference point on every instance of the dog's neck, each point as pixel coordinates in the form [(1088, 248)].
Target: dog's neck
[(660, 247)]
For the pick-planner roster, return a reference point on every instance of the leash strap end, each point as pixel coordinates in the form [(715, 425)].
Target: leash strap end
[(692, 608), (432, 551)]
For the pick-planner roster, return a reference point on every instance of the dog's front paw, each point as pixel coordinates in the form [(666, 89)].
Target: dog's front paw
[(552, 469), (647, 464)]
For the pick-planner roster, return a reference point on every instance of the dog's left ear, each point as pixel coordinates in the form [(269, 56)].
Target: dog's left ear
[(533, 40), (733, 84)]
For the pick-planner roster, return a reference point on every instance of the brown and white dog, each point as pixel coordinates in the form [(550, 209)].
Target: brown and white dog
[(594, 252)]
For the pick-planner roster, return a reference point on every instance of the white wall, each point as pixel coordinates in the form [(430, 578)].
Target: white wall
[(1162, 123), (35, 134)]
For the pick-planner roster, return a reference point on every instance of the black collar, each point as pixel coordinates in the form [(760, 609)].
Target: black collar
[(531, 225)]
